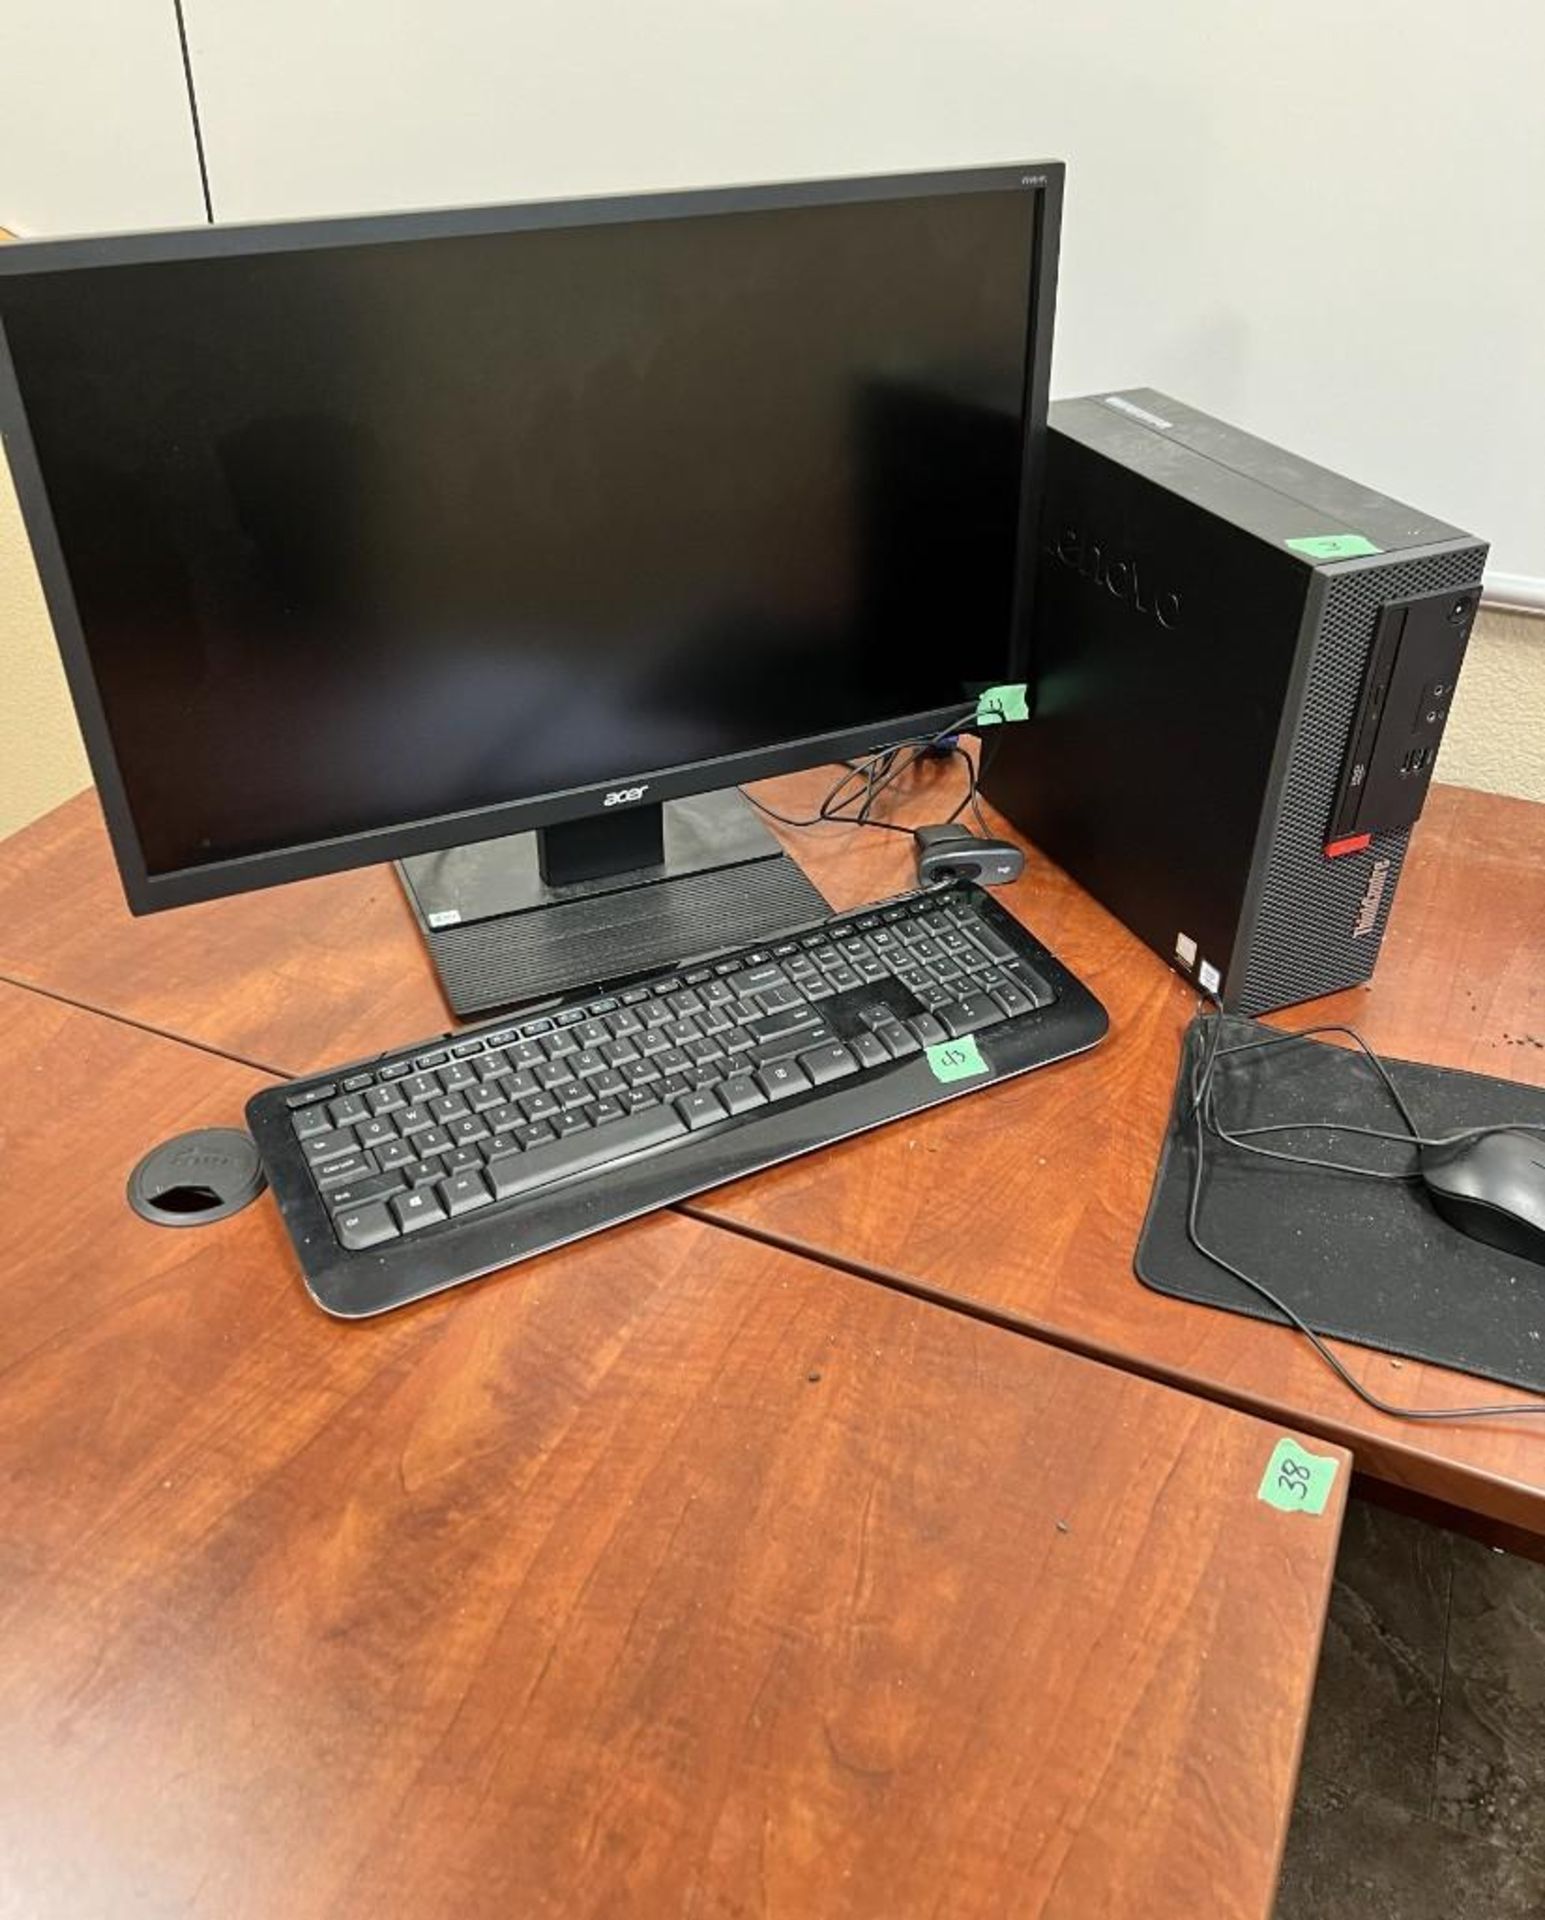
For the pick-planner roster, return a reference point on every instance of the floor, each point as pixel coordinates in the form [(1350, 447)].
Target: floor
[(1422, 1795)]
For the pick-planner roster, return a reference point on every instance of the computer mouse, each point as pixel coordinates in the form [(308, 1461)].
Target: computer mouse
[(1492, 1188)]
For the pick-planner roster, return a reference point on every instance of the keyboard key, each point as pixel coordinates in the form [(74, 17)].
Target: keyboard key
[(831, 1062), (568, 1124), (334, 1145), (900, 1040), (595, 1147), (336, 1173), (372, 1132), (373, 1186), (311, 1095), (781, 1078), (420, 1207), (970, 1014), (1012, 1000), (776, 999), (456, 1076), (465, 1159), (537, 1134), (385, 1099), (363, 1227), (464, 1193), (773, 1025), (437, 1058), (870, 1051), (465, 1131), (991, 942), (464, 1049), (347, 1110), (447, 1107), (395, 1153), (432, 1140), (1031, 982), (740, 1093), (413, 1119), (700, 1109), (786, 1045), (396, 1070), (308, 1122), (927, 1029), (420, 1087)]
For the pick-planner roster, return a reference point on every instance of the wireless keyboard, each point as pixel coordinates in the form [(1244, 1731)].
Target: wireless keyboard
[(408, 1173)]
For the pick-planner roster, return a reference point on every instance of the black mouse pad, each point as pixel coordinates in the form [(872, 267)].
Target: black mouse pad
[(1363, 1260)]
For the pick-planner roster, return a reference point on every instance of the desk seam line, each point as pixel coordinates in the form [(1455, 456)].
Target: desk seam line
[(143, 1026)]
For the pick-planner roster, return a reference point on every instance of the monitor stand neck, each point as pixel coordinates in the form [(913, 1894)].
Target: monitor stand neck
[(632, 890), (603, 846)]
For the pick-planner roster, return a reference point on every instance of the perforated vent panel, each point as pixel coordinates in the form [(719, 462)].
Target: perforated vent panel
[(1301, 941), (522, 956)]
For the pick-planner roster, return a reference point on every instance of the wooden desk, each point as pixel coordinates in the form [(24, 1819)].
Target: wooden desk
[(1041, 1236), (674, 1575)]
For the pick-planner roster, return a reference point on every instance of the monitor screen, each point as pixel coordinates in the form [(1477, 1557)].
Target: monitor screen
[(377, 532)]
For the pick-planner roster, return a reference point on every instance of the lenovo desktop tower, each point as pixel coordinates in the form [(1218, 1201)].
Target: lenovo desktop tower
[(1242, 665)]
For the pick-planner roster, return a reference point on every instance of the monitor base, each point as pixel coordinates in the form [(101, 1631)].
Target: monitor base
[(499, 934)]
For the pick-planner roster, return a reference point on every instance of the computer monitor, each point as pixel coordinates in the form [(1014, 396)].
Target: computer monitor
[(505, 542)]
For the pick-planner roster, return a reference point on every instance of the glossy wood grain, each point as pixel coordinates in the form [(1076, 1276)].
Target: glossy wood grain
[(669, 1575), (1025, 1202)]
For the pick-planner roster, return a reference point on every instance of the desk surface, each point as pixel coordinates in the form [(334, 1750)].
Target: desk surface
[(669, 1578), (1042, 1234)]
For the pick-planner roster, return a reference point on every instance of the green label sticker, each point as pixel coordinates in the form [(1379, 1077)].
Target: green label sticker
[(1333, 546), (956, 1059), (995, 704), (1296, 1480)]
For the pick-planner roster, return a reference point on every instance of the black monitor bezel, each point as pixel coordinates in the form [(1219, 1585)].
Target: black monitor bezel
[(148, 892)]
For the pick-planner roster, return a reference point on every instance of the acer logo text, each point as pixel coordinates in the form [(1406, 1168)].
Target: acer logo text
[(621, 796)]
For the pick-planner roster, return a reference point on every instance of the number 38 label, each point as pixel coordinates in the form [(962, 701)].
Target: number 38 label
[(1296, 1480)]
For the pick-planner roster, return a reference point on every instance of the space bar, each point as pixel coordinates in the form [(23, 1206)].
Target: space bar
[(514, 1173)]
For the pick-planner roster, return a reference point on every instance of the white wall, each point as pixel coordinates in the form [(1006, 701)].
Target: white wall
[(1325, 222), (95, 131)]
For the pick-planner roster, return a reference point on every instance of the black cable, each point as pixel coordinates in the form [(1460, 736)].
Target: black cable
[(1202, 1090), (851, 799)]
